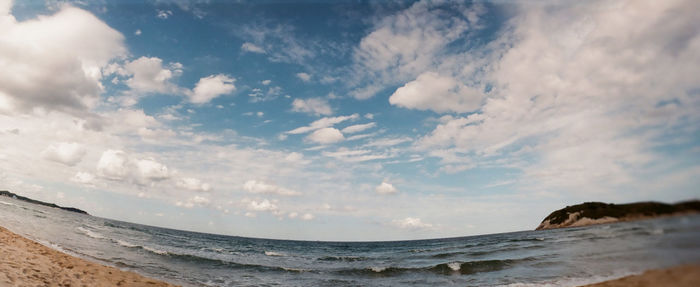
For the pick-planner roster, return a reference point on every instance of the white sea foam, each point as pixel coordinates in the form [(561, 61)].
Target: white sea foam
[(272, 253), (126, 244), (378, 269), (156, 251), (657, 231), (455, 266), (90, 233)]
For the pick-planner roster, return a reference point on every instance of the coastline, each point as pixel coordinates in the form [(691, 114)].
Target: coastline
[(677, 276), (28, 263)]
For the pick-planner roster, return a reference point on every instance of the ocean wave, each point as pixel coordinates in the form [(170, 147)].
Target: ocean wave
[(126, 244), (343, 258), (276, 254), (156, 251), (90, 233), (449, 268)]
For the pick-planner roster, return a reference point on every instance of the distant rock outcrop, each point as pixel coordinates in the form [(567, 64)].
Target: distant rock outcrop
[(590, 213), (22, 198)]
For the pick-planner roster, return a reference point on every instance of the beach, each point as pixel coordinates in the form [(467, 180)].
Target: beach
[(27, 263)]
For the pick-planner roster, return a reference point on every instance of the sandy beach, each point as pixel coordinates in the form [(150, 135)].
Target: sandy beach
[(679, 276), (27, 263), (24, 262)]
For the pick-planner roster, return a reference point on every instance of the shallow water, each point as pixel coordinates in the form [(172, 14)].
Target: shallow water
[(562, 257)]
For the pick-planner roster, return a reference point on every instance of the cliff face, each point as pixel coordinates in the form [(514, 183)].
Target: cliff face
[(590, 213), (22, 198)]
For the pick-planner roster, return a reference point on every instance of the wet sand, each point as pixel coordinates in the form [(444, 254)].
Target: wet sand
[(679, 276), (24, 262)]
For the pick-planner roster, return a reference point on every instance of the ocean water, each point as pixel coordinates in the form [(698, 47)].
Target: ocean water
[(562, 257)]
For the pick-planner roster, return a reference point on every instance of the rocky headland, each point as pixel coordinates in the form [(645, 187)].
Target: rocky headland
[(34, 201), (590, 213)]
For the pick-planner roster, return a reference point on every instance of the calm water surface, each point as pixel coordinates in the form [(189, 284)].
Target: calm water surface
[(562, 257)]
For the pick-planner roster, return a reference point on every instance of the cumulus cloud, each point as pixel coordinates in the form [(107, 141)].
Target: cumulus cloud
[(113, 165), (152, 170), (323, 123), (307, 216), (117, 165), (83, 178), (211, 87), (72, 41), (304, 77), (358, 128), (148, 75), (261, 187), (193, 184), (66, 153), (386, 188), (431, 91), (193, 201), (314, 106), (411, 223), (250, 47), (326, 136), (262, 205)]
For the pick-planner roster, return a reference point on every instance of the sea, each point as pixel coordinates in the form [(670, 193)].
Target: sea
[(559, 257)]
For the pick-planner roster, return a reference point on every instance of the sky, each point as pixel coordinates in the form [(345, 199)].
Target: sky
[(348, 120)]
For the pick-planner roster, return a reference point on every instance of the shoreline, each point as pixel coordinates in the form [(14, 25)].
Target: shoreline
[(676, 276), (28, 263)]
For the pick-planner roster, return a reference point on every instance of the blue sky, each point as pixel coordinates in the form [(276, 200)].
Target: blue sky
[(348, 120)]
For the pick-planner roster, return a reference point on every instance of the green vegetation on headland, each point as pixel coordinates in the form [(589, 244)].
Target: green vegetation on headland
[(590, 213), (22, 198)]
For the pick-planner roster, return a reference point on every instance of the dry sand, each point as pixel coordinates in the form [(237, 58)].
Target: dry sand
[(26, 263), (679, 276)]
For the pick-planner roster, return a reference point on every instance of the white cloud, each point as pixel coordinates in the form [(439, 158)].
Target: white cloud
[(150, 76), (411, 223), (211, 87), (71, 41), (117, 165), (150, 169), (349, 155), (83, 178), (250, 47), (386, 188), (578, 88), (263, 205), (304, 76), (307, 216), (358, 128), (113, 165), (164, 14), (431, 91), (194, 201), (410, 42), (326, 136), (138, 32), (386, 142), (193, 184), (266, 82), (323, 123), (66, 153), (314, 106), (261, 187)]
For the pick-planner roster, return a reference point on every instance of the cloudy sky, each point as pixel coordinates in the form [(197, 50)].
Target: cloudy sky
[(352, 120)]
